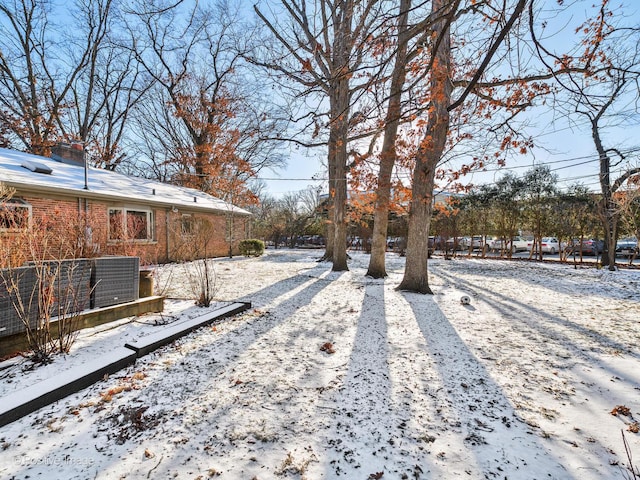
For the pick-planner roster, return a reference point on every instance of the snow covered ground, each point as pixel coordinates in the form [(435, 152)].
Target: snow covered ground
[(335, 375)]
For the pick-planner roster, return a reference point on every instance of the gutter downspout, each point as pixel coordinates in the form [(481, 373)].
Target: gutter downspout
[(166, 232)]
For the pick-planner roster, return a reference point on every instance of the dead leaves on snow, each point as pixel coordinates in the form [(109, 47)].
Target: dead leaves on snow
[(127, 422), (621, 410), (126, 385), (327, 347), (300, 466), (624, 411)]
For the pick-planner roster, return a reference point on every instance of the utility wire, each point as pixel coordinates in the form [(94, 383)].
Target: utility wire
[(587, 159)]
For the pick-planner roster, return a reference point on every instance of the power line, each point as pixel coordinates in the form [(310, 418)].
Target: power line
[(557, 164), (587, 159)]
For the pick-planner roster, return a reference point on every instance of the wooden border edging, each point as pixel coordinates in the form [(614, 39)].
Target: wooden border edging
[(152, 342), (12, 344), (23, 402)]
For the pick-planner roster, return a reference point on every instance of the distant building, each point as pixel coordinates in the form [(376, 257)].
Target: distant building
[(119, 214)]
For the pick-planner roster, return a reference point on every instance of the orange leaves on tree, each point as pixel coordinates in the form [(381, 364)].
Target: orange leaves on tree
[(210, 162), (448, 208), (306, 65)]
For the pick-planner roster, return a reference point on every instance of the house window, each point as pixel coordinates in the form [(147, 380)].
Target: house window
[(15, 215), (131, 224), (187, 226)]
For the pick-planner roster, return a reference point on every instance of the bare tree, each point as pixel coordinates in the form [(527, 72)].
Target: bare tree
[(430, 152), (442, 104), (393, 117), (294, 215), (324, 45), (595, 109), (204, 126), (40, 62), (104, 98), (602, 91)]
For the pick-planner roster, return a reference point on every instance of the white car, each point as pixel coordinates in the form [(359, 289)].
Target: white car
[(517, 244), (548, 244), (478, 243), (458, 243)]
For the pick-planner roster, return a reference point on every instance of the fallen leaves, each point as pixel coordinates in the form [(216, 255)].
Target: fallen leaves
[(327, 347), (634, 426), (129, 421), (126, 385), (621, 410), (108, 395)]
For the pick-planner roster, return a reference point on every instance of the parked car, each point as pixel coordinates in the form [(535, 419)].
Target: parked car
[(478, 243), (464, 243), (517, 244), (588, 246), (394, 243), (627, 247), (458, 243), (431, 245), (548, 244)]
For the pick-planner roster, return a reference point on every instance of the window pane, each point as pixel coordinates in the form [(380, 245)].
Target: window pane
[(116, 231), (187, 225), (14, 217), (138, 225)]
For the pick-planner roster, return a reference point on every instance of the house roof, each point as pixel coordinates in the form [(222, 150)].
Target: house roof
[(17, 171)]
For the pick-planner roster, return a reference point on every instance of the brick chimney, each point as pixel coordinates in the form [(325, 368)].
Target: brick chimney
[(70, 153)]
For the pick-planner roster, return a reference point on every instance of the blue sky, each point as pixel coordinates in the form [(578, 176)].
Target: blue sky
[(567, 148)]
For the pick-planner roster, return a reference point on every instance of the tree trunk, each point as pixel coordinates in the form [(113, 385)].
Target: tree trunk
[(377, 268), (339, 146), (429, 154), (415, 274), (330, 231), (608, 213), (339, 104), (609, 219), (329, 239)]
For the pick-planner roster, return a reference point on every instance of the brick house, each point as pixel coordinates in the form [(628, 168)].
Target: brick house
[(108, 213)]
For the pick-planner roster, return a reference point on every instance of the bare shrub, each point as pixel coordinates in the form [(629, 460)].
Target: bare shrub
[(46, 284), (46, 296), (202, 280), (196, 245)]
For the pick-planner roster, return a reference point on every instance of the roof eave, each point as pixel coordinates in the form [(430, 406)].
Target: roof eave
[(77, 193)]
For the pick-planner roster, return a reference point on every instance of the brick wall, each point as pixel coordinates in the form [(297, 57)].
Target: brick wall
[(63, 220), (209, 235)]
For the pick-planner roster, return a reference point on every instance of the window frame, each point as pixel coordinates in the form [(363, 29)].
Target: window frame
[(16, 203), (126, 236), (187, 225)]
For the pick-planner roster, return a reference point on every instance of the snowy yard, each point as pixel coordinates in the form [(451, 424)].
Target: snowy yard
[(335, 375)]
